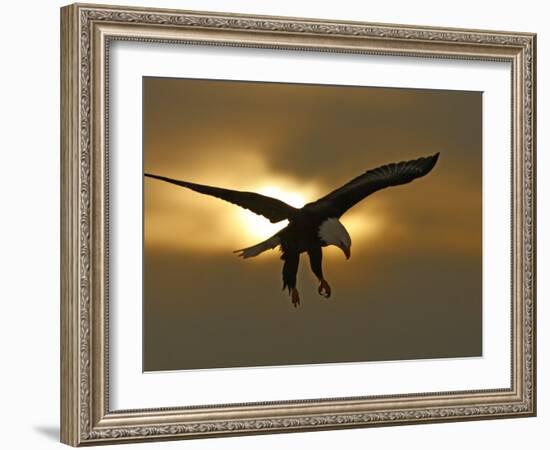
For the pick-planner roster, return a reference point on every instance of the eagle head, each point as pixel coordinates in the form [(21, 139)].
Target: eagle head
[(332, 232)]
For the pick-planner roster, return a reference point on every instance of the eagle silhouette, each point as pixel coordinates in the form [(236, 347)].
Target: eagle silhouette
[(316, 224)]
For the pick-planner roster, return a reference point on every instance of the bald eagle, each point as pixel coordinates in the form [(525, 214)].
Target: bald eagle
[(315, 225)]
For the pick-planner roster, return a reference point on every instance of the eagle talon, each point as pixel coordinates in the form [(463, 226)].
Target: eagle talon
[(324, 289), (295, 297)]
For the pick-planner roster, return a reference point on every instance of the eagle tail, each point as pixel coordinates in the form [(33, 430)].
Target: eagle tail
[(255, 250)]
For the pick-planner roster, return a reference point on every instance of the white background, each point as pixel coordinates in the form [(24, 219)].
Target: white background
[(29, 236), (132, 389)]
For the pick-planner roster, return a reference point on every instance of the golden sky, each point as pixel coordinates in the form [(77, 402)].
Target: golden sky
[(412, 288)]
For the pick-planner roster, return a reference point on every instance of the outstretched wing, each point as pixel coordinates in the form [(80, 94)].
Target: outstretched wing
[(271, 208), (339, 201)]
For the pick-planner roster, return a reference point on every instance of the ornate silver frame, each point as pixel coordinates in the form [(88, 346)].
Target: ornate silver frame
[(86, 31)]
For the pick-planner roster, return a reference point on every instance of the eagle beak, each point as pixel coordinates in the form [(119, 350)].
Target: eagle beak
[(347, 252)]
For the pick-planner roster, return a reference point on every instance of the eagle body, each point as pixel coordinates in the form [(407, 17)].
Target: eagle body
[(302, 233), (317, 224)]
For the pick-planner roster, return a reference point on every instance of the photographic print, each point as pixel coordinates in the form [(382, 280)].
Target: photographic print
[(304, 224), (278, 224)]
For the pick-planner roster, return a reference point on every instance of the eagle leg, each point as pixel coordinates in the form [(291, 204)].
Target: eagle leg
[(290, 269), (316, 263), (295, 297), (324, 288)]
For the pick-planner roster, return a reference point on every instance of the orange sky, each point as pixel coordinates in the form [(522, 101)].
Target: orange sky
[(416, 264)]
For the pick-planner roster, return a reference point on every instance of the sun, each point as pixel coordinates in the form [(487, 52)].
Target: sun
[(258, 227)]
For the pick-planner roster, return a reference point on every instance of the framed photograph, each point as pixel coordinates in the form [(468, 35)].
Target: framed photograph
[(275, 224)]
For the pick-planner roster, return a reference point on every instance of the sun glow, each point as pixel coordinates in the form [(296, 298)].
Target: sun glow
[(258, 227), (363, 226)]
